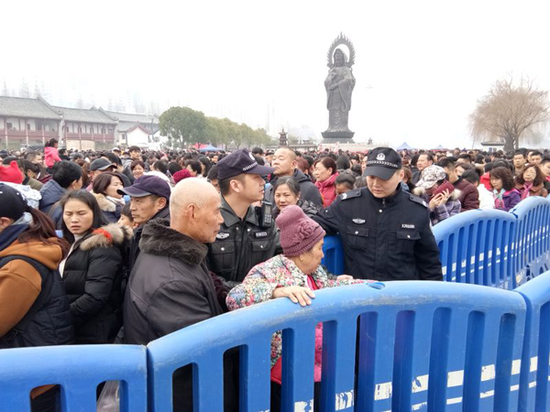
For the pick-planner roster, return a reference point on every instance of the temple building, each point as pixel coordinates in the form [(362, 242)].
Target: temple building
[(28, 122)]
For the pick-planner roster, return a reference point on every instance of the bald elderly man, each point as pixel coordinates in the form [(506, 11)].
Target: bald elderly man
[(170, 286)]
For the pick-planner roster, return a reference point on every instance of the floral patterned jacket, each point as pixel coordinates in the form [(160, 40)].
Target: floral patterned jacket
[(279, 271)]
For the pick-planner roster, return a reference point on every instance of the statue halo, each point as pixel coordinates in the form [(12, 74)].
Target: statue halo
[(341, 39)]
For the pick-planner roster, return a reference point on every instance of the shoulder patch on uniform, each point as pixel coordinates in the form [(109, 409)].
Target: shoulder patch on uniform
[(418, 200), (351, 194)]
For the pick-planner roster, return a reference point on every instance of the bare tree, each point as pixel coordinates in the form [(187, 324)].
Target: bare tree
[(24, 89), (80, 102), (510, 112), (37, 91)]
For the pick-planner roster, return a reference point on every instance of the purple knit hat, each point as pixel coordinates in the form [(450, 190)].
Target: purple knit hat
[(298, 232)]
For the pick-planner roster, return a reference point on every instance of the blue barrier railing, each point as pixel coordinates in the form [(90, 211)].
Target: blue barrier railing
[(411, 346), (474, 248), (78, 370), (532, 242), (334, 255), (536, 346), (446, 347)]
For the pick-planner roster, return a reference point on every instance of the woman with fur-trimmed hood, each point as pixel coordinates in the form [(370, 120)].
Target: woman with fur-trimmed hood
[(439, 193), (93, 270), (105, 189)]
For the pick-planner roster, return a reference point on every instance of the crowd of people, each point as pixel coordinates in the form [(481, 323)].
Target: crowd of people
[(129, 246)]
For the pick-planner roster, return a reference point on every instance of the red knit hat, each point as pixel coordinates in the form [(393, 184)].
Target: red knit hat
[(11, 173), (298, 232), (181, 174)]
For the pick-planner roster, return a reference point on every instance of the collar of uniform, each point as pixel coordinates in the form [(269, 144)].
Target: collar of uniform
[(230, 218), (389, 199)]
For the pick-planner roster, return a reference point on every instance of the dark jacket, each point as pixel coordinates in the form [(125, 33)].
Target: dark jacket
[(126, 170), (241, 244), (416, 175), (308, 190), (110, 209), (126, 182), (469, 196), (92, 276), (384, 239), (134, 244), (181, 293), (24, 287), (51, 194)]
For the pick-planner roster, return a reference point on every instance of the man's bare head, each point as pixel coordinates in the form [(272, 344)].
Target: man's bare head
[(284, 161), (195, 209)]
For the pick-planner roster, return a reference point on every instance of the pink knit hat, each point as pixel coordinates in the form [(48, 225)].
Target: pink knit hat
[(298, 232)]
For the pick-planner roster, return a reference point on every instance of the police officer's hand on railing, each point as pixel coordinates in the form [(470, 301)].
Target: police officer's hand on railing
[(296, 294)]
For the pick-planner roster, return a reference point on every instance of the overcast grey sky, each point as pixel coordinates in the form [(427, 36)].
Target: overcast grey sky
[(420, 65)]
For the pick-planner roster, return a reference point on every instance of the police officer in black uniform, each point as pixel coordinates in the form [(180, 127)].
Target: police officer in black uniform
[(248, 235), (385, 231)]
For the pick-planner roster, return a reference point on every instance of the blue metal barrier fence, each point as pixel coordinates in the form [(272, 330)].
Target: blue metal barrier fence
[(420, 346), (475, 248), (78, 370), (532, 240), (410, 346)]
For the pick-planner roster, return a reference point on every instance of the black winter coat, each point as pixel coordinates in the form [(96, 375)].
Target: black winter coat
[(134, 244), (180, 293), (92, 276), (384, 239)]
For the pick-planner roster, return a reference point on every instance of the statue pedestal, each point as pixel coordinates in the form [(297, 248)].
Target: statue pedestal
[(340, 137)]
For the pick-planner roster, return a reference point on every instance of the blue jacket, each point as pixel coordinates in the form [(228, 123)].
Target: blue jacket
[(51, 194)]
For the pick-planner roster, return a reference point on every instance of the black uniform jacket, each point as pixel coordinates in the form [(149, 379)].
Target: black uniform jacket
[(241, 244), (384, 239)]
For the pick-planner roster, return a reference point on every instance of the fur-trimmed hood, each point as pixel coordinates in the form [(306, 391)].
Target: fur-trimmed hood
[(421, 192), (161, 240), (108, 235), (105, 204)]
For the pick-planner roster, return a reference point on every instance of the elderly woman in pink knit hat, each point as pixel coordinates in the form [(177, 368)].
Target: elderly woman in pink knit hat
[(295, 274)]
